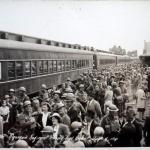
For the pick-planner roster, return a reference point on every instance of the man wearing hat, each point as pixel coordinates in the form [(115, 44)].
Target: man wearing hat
[(70, 84), (47, 140), (56, 100), (43, 94), (75, 110), (81, 95), (94, 106), (131, 132), (13, 99), (110, 122), (63, 113), (26, 122), (22, 95)]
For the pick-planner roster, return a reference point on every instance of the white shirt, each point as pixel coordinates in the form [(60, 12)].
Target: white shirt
[(56, 128), (44, 118)]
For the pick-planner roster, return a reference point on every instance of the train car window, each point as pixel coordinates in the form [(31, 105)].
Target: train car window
[(19, 69), (67, 65), (59, 65), (63, 65), (0, 71), (33, 68), (54, 65), (73, 64), (45, 66), (40, 66), (11, 70), (78, 63), (27, 68), (50, 66)]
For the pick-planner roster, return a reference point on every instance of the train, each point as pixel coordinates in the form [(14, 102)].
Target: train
[(30, 62)]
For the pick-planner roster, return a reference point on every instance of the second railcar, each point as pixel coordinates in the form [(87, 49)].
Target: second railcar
[(103, 59)]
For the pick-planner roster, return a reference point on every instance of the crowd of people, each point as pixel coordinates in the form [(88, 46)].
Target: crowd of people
[(91, 112)]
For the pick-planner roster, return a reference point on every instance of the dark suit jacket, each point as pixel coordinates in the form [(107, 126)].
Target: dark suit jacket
[(95, 107), (147, 131), (94, 124)]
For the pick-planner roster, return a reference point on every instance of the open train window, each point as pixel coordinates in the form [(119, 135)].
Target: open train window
[(54, 65), (68, 65), (27, 68), (0, 71), (63, 65), (40, 65), (19, 69), (50, 66), (73, 64), (33, 68), (59, 65), (45, 66), (11, 70)]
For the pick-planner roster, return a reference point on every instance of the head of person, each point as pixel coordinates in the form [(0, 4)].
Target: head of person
[(94, 81), (69, 99), (121, 83), (81, 87), (90, 96), (35, 103), (130, 114), (27, 106), (75, 129), (56, 95), (113, 111), (98, 132), (22, 90), (11, 92), (47, 131), (90, 115), (45, 107), (114, 85), (43, 87), (56, 119), (4, 103), (21, 144), (63, 86)]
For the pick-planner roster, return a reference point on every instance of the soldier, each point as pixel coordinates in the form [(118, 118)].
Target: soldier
[(43, 94), (22, 95), (26, 122), (110, 122), (81, 95), (63, 113), (94, 106), (75, 110)]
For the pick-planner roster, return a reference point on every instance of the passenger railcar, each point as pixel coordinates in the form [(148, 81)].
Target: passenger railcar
[(101, 59), (26, 63)]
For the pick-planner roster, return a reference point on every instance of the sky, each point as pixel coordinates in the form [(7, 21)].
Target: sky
[(99, 24)]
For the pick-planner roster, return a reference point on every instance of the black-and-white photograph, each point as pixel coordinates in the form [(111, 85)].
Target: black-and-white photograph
[(74, 73)]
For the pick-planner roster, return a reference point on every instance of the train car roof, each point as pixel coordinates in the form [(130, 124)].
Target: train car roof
[(106, 54), (9, 44)]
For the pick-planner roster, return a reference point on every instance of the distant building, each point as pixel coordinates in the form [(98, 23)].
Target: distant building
[(146, 48)]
